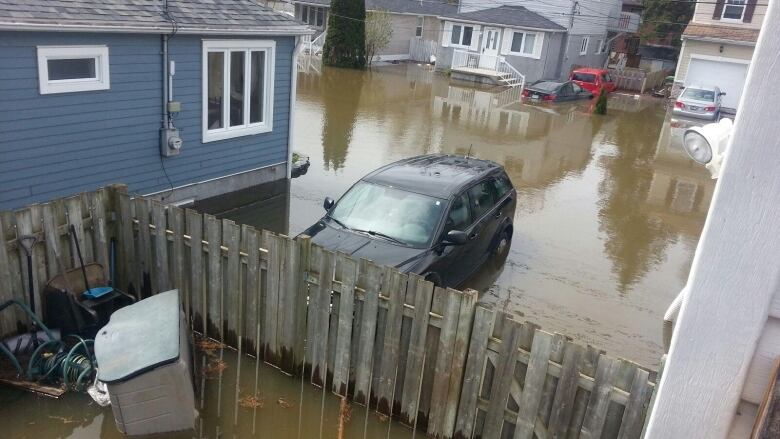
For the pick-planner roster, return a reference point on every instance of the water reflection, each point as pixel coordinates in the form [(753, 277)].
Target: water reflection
[(609, 208), (266, 206), (341, 90), (238, 397)]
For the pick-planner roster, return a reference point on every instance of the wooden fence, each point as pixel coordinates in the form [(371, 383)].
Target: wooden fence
[(421, 50), (430, 357)]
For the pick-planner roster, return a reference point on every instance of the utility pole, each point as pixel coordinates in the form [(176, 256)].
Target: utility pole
[(732, 309), (564, 56)]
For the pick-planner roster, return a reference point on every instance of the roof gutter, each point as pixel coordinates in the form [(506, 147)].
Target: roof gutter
[(510, 26), (719, 40), (277, 31)]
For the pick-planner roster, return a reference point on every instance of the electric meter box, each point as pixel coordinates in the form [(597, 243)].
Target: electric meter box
[(144, 357)]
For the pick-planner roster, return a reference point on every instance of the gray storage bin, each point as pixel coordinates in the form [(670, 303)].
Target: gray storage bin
[(143, 356)]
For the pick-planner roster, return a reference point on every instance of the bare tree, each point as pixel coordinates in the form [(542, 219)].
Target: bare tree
[(379, 30)]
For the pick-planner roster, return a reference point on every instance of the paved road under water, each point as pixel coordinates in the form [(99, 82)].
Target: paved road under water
[(610, 208)]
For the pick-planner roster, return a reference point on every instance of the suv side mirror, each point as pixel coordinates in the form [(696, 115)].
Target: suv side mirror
[(328, 203), (456, 237)]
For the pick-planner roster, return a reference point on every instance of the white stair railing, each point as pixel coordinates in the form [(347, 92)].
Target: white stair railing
[(315, 45), (510, 75)]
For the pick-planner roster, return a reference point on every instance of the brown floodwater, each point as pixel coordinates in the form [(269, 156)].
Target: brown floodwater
[(609, 214), (610, 208), (244, 400)]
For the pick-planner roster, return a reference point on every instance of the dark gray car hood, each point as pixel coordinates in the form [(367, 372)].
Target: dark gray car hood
[(360, 245)]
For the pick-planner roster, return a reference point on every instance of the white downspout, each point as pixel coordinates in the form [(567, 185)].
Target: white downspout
[(293, 92), (671, 316)]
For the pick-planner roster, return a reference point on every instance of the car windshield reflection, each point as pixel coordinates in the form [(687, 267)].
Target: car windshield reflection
[(389, 213)]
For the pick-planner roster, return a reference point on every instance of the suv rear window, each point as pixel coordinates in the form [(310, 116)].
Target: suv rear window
[(584, 77)]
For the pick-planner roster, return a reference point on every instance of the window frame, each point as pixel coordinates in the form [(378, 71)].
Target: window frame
[(523, 44), (726, 4), (470, 221), (474, 218), (584, 45), (462, 27), (420, 27), (247, 129), (101, 81)]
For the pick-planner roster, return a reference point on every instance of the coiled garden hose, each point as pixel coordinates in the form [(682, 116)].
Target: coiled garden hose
[(72, 367)]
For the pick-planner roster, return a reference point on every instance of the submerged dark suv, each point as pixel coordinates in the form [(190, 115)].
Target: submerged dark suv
[(440, 216)]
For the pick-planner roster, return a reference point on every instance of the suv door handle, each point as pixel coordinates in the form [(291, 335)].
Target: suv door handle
[(474, 235)]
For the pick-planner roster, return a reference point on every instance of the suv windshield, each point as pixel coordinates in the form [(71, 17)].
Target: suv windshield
[(584, 77), (398, 215), (698, 94)]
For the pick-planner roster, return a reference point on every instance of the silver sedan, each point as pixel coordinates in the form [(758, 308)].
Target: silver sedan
[(699, 102)]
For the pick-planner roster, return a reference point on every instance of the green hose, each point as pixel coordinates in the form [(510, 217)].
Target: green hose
[(72, 367)]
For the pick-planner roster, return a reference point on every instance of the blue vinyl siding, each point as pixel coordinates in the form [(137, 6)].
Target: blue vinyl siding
[(58, 144)]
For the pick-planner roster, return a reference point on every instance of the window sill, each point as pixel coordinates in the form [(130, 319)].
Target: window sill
[(224, 134), (73, 87), (732, 20)]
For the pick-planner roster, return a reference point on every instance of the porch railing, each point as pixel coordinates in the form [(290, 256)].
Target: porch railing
[(625, 22), (507, 75), (510, 75), (314, 46), (473, 60)]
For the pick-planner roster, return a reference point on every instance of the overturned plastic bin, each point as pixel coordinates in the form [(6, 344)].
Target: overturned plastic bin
[(143, 356)]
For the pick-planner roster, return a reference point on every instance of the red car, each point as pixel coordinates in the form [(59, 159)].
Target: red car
[(593, 80)]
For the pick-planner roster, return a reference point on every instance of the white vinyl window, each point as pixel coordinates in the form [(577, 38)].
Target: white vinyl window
[(524, 43), (461, 35), (66, 69), (584, 45), (313, 15), (237, 88), (418, 31), (599, 47), (734, 10)]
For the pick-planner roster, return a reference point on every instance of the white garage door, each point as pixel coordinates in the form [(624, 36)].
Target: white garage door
[(729, 76)]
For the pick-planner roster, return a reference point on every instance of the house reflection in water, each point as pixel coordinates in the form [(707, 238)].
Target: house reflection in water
[(681, 189), (538, 145)]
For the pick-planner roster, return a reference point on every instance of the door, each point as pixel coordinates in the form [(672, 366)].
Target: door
[(489, 53), (482, 198), (728, 76), (453, 264)]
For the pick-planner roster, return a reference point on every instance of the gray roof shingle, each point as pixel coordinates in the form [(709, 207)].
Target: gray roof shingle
[(191, 16), (513, 16), (516, 16)]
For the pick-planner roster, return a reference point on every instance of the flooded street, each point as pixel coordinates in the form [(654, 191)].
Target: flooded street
[(608, 217), (609, 208)]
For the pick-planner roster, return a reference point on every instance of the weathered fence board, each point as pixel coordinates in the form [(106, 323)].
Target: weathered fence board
[(423, 293), (428, 356), (346, 310)]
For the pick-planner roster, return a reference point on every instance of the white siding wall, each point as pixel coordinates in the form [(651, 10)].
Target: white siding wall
[(595, 15), (551, 9), (704, 11)]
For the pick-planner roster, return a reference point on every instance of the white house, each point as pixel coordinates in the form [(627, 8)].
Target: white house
[(718, 44), (728, 331)]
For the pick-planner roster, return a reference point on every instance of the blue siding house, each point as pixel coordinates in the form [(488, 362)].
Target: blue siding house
[(185, 99)]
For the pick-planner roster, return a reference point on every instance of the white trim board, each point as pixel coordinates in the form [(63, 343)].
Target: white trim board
[(266, 31), (720, 59)]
